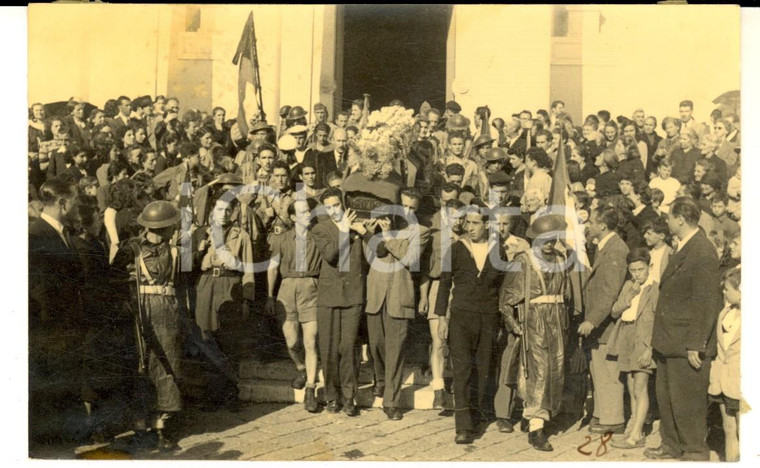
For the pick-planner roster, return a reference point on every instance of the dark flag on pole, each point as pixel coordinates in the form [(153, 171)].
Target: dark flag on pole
[(248, 60)]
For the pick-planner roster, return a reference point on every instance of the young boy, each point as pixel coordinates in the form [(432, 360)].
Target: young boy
[(631, 340), (656, 236), (724, 373), (718, 220), (663, 181)]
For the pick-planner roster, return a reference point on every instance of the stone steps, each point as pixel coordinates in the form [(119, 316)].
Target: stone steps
[(280, 391), (270, 383)]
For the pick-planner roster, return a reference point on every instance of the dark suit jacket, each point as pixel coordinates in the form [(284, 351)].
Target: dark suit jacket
[(342, 278), (57, 166), (690, 301), (604, 285), (54, 271), (324, 163)]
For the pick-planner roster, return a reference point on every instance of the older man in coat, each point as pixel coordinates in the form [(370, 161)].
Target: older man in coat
[(602, 289), (391, 300), (683, 337)]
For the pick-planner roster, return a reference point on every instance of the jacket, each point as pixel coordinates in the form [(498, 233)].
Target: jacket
[(726, 368), (390, 278), (644, 317), (690, 301), (603, 287), (343, 272)]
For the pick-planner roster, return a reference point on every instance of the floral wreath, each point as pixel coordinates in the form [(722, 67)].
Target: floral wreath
[(387, 136)]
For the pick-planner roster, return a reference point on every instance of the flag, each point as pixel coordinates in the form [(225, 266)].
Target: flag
[(560, 201), (247, 59)]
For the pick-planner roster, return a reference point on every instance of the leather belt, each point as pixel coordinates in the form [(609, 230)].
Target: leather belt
[(218, 272), (548, 299), (166, 290)]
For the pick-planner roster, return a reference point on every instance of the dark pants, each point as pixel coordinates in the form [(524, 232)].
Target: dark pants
[(386, 342), (471, 340), (504, 394), (682, 397), (337, 328)]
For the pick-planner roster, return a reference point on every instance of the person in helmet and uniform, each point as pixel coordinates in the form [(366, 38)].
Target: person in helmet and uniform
[(536, 367), (152, 261)]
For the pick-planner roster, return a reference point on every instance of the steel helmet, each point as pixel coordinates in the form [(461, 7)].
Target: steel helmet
[(458, 122), (296, 112), (546, 223), (159, 214)]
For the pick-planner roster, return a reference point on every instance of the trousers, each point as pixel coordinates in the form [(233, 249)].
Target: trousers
[(337, 328), (471, 341), (682, 397), (608, 388), (387, 336)]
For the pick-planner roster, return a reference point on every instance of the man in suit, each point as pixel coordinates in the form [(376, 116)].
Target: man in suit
[(683, 339), (329, 161), (123, 118), (52, 264), (340, 297), (391, 299), (602, 289)]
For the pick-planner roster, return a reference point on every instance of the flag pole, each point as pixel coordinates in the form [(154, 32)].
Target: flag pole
[(255, 64)]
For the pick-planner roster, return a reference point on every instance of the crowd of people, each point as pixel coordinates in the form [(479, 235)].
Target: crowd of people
[(149, 230)]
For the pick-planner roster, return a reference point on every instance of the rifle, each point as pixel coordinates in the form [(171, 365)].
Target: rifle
[(139, 327), (523, 318)]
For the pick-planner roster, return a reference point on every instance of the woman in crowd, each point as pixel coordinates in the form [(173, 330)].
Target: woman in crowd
[(631, 166), (667, 145), (79, 132), (120, 217), (685, 156), (608, 180), (726, 149), (652, 141)]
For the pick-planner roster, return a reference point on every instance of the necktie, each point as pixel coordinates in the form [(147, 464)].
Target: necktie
[(67, 236)]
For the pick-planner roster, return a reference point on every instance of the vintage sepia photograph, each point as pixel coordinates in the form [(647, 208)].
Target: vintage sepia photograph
[(401, 233)]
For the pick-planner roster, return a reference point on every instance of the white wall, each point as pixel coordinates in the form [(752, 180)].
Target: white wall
[(95, 51), (502, 57), (655, 56)]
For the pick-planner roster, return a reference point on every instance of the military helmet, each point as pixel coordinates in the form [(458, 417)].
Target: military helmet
[(296, 112), (458, 122), (482, 140), (260, 125), (546, 223), (284, 110), (158, 214), (496, 154)]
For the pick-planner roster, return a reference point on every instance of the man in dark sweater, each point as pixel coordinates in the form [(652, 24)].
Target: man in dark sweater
[(477, 271)]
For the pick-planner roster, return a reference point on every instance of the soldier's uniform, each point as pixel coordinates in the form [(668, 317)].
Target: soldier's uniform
[(154, 267)]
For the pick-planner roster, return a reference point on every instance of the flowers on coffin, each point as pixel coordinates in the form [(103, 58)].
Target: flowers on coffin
[(389, 134)]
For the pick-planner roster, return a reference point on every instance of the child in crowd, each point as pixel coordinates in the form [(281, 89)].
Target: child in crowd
[(725, 371), (631, 340), (663, 181)]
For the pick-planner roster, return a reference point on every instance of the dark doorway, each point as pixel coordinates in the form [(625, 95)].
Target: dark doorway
[(395, 52)]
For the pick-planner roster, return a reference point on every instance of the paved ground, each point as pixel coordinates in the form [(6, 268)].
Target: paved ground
[(271, 431)]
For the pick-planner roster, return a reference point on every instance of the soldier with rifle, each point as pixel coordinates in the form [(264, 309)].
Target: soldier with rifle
[(154, 265), (532, 301)]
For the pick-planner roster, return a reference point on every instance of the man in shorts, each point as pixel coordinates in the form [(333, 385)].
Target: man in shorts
[(297, 260)]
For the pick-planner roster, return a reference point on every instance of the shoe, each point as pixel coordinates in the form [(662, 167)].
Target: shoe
[(539, 441), (439, 399), (300, 381), (350, 408), (505, 426), (592, 422), (393, 414), (659, 453), (626, 444), (333, 406), (464, 438), (310, 400), (607, 429), (524, 425), (378, 390), (165, 444), (143, 440)]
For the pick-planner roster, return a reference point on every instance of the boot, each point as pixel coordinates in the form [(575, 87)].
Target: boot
[(310, 400), (165, 444), (299, 381), (539, 441)]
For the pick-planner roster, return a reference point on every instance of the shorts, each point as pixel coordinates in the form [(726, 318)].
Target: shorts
[(297, 300), (733, 406)]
